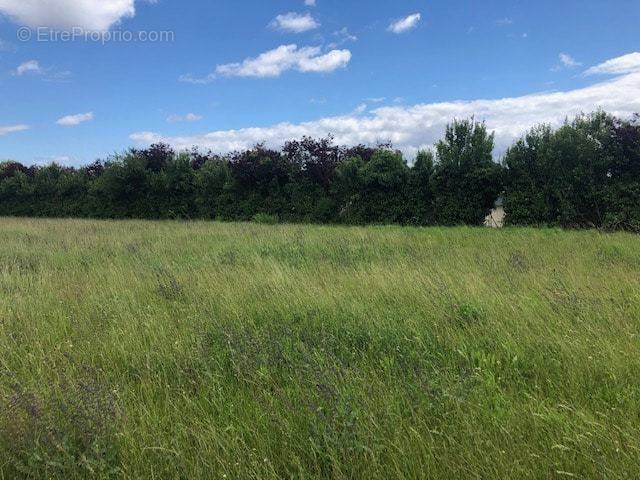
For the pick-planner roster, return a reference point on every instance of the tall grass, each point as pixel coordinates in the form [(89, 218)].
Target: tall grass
[(244, 351)]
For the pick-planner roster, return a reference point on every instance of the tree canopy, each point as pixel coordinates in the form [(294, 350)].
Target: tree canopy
[(583, 174)]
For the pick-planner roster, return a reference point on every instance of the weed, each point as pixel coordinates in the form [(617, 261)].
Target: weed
[(265, 219), (262, 352), (70, 430)]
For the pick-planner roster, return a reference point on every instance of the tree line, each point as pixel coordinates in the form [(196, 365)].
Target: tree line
[(585, 174)]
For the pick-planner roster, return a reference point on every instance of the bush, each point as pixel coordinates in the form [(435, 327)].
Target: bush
[(265, 219), (585, 174), (466, 181)]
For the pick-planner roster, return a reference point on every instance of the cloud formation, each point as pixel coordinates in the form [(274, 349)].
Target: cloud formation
[(90, 15), (617, 66), (277, 61), (405, 24), (73, 120), (294, 22), (189, 117), (31, 66), (411, 128), (7, 129), (49, 74), (568, 61)]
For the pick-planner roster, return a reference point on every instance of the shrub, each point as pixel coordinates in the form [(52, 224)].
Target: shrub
[(466, 181), (265, 219), (585, 174)]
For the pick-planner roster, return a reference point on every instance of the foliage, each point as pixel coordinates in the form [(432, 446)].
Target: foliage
[(265, 219), (466, 181), (585, 174)]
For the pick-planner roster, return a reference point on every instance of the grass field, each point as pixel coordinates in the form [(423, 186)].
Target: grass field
[(241, 351)]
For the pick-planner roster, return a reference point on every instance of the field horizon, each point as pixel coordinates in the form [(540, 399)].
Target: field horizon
[(173, 349)]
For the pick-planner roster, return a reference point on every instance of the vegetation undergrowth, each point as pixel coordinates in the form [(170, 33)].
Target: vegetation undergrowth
[(249, 351)]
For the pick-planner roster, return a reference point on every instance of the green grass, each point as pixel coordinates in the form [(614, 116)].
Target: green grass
[(208, 351)]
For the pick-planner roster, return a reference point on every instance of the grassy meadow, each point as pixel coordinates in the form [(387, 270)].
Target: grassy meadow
[(169, 350)]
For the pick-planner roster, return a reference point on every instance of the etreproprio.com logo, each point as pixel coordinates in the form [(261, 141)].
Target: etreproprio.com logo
[(77, 34)]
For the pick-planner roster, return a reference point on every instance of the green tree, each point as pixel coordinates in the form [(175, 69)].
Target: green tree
[(122, 191), (466, 181), (420, 195), (384, 188), (211, 182), (582, 175), (346, 189)]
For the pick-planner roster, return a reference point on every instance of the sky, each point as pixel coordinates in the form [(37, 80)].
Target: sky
[(84, 79)]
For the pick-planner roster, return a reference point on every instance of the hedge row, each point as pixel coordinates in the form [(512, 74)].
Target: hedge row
[(585, 174)]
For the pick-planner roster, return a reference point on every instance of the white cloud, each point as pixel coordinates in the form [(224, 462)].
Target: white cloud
[(568, 61), (294, 22), (310, 3), (333, 60), (7, 129), (189, 78), (189, 117), (360, 109), (617, 66), (73, 120), (343, 35), (277, 61), (405, 24), (31, 66), (49, 74), (413, 127), (91, 15)]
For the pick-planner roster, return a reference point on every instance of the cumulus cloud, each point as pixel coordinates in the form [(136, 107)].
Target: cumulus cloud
[(310, 3), (617, 66), (189, 117), (7, 129), (90, 15), (294, 22), (405, 24), (73, 120), (413, 127), (311, 61), (279, 60)]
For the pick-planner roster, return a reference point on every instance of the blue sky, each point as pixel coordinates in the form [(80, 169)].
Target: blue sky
[(230, 73)]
